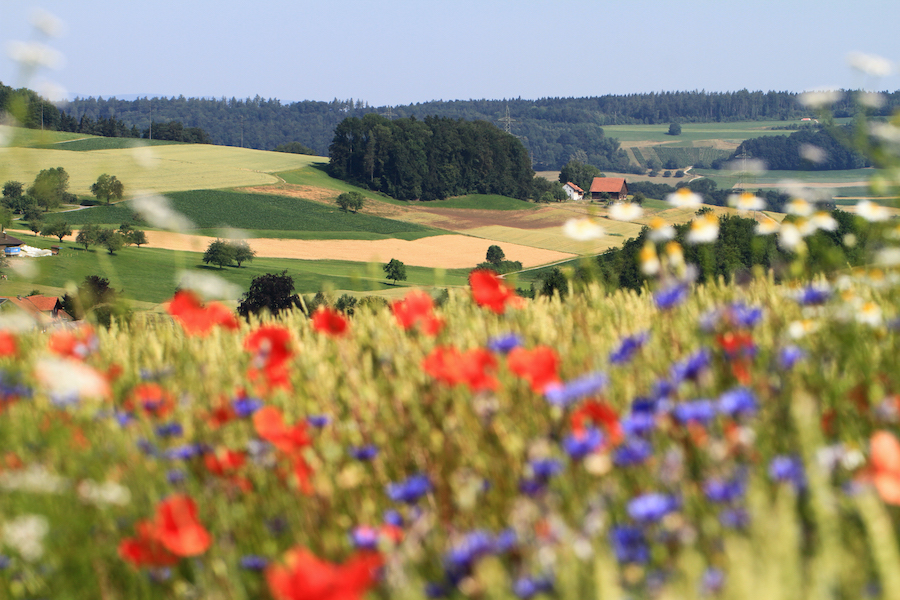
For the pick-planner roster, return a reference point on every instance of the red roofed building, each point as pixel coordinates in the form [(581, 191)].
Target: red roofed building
[(573, 191), (43, 309), (614, 186)]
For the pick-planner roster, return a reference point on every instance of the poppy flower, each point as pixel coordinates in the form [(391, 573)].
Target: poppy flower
[(452, 367), (146, 550), (152, 398), (224, 462), (177, 528), (329, 321), (599, 414), (197, 319), (538, 366), (417, 310), (269, 424), (304, 576), (8, 345), (885, 458), (490, 291), (77, 343), (271, 348)]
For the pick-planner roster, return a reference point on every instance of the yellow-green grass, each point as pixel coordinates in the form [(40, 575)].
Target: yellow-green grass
[(157, 169), (150, 274), (839, 178), (699, 131), (20, 136), (315, 174), (553, 238)]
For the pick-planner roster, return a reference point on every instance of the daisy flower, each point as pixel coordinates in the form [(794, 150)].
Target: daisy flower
[(746, 201), (767, 227), (872, 212), (684, 198), (704, 229), (625, 211), (789, 237), (583, 230), (799, 207), (649, 259), (824, 221), (660, 230)]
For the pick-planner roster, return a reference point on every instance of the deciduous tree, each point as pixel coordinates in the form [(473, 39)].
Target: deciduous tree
[(58, 228), (273, 292), (49, 187), (87, 235), (111, 239), (219, 252), (495, 255), (107, 187), (350, 201), (242, 251), (395, 270)]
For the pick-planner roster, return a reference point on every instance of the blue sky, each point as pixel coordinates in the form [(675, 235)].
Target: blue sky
[(407, 51)]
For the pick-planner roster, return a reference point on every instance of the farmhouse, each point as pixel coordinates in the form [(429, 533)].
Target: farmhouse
[(10, 245), (615, 187), (46, 310), (573, 191)]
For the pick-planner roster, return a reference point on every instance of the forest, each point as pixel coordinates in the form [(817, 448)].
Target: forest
[(431, 159), (553, 130), (809, 149)]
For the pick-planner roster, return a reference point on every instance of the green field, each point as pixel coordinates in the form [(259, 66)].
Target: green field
[(103, 143), (482, 201), (693, 132), (211, 210), (315, 174), (19, 137), (726, 179), (149, 274)]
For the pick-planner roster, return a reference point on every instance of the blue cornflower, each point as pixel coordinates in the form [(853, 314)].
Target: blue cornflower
[(173, 429), (185, 452), (629, 544), (734, 518), (504, 343), (712, 582), (575, 389), (717, 490), (789, 356), (545, 468), (692, 366), (579, 445), (814, 294), (318, 420), (671, 296), (787, 468), (147, 447), (633, 452), (628, 347), (506, 540), (64, 400), (435, 590), (245, 407), (664, 388), (252, 562), (743, 316), (364, 537), (392, 517), (364, 452), (699, 411), (526, 587), (409, 490), (638, 423), (124, 418), (4, 561), (458, 561), (737, 401), (277, 525), (175, 476), (650, 508)]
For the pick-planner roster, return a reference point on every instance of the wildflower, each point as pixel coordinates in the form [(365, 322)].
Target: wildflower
[(26, 535), (270, 426), (870, 64), (736, 344), (490, 291), (583, 230), (638, 423), (634, 451), (790, 237), (650, 508), (692, 366), (197, 319), (575, 389), (158, 212), (364, 537), (660, 230), (504, 343), (301, 575), (417, 310), (723, 492), (152, 398), (538, 366), (252, 562), (820, 99), (870, 211), (704, 229), (8, 344), (734, 518), (78, 343), (409, 490), (671, 296), (526, 587), (712, 582), (318, 421), (329, 321), (169, 430), (67, 380), (629, 544), (224, 462), (625, 211), (737, 401), (746, 201), (800, 207), (364, 452), (628, 347), (885, 459), (452, 367), (599, 414), (245, 407), (789, 355), (787, 468), (685, 198), (580, 444), (869, 314), (102, 494), (814, 295), (650, 264), (695, 411), (767, 226), (271, 348)]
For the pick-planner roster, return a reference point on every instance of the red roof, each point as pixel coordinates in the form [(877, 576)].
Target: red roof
[(574, 187), (607, 184), (43, 303)]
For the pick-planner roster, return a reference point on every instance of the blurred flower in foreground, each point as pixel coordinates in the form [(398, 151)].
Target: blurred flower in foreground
[(870, 64), (870, 211), (684, 198), (750, 166), (799, 207), (26, 535), (812, 153), (820, 99), (197, 319), (625, 211), (704, 229), (490, 291), (47, 23), (746, 201), (330, 322), (583, 230), (409, 490), (650, 264), (158, 212), (660, 230), (303, 576), (767, 226), (32, 55), (66, 380), (885, 459), (208, 286)]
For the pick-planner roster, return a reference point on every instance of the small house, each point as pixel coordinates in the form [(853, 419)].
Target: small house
[(46, 310), (11, 246), (614, 187), (573, 191)]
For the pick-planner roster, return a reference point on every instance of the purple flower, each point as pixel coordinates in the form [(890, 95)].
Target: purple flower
[(185, 452), (692, 366), (570, 391), (435, 590), (173, 429), (633, 452), (504, 343), (175, 476), (650, 508), (789, 356), (364, 452), (147, 447), (629, 544), (699, 411), (579, 445), (506, 540), (458, 561), (364, 537), (737, 401), (638, 423), (545, 468), (318, 420), (245, 407), (787, 468), (723, 492), (734, 518), (409, 490), (526, 587), (671, 296), (712, 582), (252, 562), (663, 388), (392, 517), (628, 347), (814, 294), (744, 316)]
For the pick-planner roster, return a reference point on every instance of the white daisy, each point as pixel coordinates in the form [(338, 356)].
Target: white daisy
[(870, 64), (625, 211), (660, 230), (583, 230), (649, 259), (789, 236), (746, 201), (767, 227), (820, 99), (704, 229), (800, 207), (824, 221), (870, 211), (684, 198)]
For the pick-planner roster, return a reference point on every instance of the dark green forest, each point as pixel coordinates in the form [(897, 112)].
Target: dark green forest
[(553, 130), (431, 159), (785, 152)]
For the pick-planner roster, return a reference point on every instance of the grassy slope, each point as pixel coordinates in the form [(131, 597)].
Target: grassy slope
[(286, 217), (692, 132)]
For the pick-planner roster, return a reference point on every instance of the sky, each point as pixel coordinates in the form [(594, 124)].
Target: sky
[(396, 52)]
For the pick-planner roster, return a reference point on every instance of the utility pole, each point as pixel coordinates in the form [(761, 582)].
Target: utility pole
[(242, 131), (389, 114), (507, 121), (151, 118)]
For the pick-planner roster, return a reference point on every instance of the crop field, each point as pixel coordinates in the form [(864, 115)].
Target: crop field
[(91, 143), (691, 132), (482, 202), (553, 238), (211, 210), (837, 179), (22, 137), (168, 168), (315, 175)]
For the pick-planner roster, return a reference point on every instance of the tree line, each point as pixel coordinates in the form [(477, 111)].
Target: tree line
[(430, 159), (809, 149)]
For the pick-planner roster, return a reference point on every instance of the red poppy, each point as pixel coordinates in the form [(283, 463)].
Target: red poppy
[(329, 321), (146, 550), (599, 414), (304, 576), (8, 345), (452, 367), (735, 345), (269, 424), (152, 398), (224, 462), (78, 343), (417, 310), (220, 414), (177, 528), (302, 473), (885, 458), (197, 319), (271, 346), (538, 366), (490, 291)]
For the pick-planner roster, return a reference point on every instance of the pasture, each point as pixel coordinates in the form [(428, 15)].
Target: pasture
[(695, 132)]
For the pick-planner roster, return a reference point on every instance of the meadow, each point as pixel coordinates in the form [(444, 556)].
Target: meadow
[(699, 132)]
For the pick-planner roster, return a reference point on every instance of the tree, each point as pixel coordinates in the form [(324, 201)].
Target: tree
[(495, 255), (112, 239), (49, 187), (107, 187), (6, 218), (674, 129), (242, 252), (13, 192), (579, 173), (35, 224), (219, 252), (96, 300), (638, 198), (87, 235), (350, 201), (273, 292), (58, 228), (395, 270), (137, 237)]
